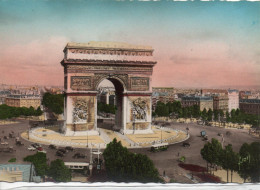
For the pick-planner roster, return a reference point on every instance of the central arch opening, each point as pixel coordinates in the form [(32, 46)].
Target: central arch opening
[(110, 104)]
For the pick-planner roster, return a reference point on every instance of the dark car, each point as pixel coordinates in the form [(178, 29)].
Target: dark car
[(51, 146), (186, 144), (19, 143), (35, 145), (79, 155), (69, 148), (62, 150), (59, 153)]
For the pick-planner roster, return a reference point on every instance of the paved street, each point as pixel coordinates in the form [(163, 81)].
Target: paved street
[(167, 160), (164, 161)]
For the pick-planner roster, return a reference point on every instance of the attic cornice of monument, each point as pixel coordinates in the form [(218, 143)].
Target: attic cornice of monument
[(108, 62), (107, 45)]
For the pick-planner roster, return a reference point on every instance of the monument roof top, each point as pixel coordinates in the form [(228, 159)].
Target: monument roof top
[(108, 45)]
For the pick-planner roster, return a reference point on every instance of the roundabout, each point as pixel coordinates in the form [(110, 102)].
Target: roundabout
[(159, 135)]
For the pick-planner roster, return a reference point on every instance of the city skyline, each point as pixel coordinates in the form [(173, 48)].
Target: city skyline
[(196, 44)]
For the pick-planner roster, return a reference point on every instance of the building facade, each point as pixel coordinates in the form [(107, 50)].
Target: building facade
[(204, 102), (250, 106), (18, 173), (162, 94), (233, 100), (220, 102), (23, 101)]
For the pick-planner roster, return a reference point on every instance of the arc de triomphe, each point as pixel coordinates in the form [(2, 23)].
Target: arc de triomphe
[(128, 67)]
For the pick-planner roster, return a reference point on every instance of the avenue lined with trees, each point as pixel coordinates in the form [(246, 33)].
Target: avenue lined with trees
[(246, 162), (175, 109), (7, 112)]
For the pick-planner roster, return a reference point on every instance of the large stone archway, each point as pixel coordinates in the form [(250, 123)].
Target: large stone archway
[(127, 66)]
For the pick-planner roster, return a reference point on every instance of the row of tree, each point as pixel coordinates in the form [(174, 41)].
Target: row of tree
[(175, 109), (57, 170), (7, 112), (107, 108), (124, 166), (246, 162), (54, 102)]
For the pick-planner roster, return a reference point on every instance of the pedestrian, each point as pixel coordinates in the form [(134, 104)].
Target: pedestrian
[(164, 173)]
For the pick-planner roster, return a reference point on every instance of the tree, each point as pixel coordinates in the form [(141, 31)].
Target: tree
[(204, 114), (209, 115), (122, 165), (55, 102), (59, 172), (229, 160), (211, 152), (249, 161), (161, 109), (227, 116), (255, 162), (216, 115), (39, 160)]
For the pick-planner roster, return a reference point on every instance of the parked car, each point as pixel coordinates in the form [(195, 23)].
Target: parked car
[(59, 153), (19, 143), (31, 148), (205, 138), (4, 143), (51, 146), (35, 145), (79, 155), (40, 148), (62, 150), (186, 144), (69, 148)]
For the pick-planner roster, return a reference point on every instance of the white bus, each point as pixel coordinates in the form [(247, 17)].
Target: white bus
[(159, 147)]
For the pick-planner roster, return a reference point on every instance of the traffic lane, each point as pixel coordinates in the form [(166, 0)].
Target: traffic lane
[(22, 151)]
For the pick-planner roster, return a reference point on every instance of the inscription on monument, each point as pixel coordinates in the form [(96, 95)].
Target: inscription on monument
[(81, 83), (139, 83)]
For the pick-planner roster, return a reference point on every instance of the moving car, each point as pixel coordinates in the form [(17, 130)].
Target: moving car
[(79, 155), (31, 148)]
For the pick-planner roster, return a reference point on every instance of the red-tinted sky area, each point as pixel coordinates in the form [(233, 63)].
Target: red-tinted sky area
[(196, 44)]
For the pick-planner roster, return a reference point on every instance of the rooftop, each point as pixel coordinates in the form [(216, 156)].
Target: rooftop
[(108, 45), (252, 101), (196, 98)]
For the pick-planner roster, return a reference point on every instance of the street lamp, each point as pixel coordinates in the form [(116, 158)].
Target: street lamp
[(161, 134), (87, 138)]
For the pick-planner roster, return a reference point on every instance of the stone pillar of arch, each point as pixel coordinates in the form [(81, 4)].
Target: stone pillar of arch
[(128, 67)]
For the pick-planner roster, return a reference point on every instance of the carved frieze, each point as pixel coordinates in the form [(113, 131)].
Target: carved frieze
[(81, 83), (139, 83), (80, 110), (139, 110), (88, 68), (112, 52)]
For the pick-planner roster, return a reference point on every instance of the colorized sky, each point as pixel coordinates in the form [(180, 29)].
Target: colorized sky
[(196, 44)]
